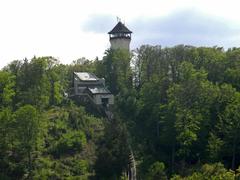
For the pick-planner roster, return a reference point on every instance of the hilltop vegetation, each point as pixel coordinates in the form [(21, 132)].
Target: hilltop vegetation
[(178, 108)]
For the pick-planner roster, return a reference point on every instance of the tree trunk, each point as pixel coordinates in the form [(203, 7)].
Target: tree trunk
[(30, 165), (234, 152), (52, 101), (173, 158), (132, 175)]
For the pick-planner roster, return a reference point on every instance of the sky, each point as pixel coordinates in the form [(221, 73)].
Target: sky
[(71, 29)]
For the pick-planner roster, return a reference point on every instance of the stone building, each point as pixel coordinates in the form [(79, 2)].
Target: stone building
[(88, 85), (120, 37)]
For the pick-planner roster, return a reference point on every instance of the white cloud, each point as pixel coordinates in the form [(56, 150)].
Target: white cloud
[(54, 27)]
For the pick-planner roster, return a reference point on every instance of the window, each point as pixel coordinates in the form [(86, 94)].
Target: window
[(104, 101)]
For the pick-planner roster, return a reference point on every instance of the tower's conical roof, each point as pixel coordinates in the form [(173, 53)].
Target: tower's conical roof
[(119, 28)]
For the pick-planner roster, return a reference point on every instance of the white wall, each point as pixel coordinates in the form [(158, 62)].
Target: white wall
[(98, 98), (120, 43)]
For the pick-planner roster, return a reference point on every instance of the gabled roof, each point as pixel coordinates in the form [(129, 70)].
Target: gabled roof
[(85, 76), (120, 28)]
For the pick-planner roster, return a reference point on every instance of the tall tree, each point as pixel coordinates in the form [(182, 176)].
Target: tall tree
[(189, 99), (113, 153), (7, 82), (27, 131), (229, 127), (115, 68)]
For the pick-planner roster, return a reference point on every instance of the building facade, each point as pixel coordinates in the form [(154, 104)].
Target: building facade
[(90, 86)]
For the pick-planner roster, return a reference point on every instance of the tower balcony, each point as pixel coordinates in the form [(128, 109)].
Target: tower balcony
[(120, 36)]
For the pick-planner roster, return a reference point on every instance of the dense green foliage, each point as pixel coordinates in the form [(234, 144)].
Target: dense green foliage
[(177, 109), (43, 134)]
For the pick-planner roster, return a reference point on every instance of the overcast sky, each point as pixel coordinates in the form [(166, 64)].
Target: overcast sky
[(70, 29)]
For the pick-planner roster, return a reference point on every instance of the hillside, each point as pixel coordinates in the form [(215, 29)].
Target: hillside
[(176, 109)]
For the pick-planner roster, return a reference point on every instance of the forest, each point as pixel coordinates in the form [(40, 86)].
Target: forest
[(177, 107)]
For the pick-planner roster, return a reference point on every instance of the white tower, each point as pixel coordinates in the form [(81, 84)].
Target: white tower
[(120, 37)]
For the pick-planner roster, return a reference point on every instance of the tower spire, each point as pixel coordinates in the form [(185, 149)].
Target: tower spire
[(120, 36), (118, 19)]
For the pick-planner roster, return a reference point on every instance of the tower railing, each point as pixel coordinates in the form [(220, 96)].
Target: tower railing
[(120, 35)]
